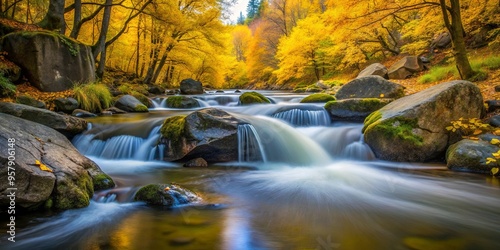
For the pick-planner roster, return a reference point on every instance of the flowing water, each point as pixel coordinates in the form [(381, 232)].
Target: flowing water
[(301, 182)]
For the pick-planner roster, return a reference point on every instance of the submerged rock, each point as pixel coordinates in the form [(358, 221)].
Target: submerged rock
[(370, 87), (183, 102), (413, 128), (317, 98), (165, 195), (469, 155), (253, 98), (208, 133), (65, 124), (68, 183)]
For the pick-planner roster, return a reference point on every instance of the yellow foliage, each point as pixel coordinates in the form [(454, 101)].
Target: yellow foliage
[(42, 166)]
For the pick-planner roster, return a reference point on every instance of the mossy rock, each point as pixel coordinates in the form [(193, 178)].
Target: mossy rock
[(253, 98), (165, 195), (173, 127), (73, 194), (141, 108), (102, 181), (143, 99), (318, 97), (355, 109), (470, 156), (182, 102)]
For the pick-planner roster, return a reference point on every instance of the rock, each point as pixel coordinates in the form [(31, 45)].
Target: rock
[(82, 113), (253, 98), (171, 92), (191, 87), (66, 105), (356, 109), (181, 241), (72, 181), (115, 110), (370, 87), (156, 90), (197, 162), (413, 128), (143, 99), (50, 61), (495, 121), (469, 155), (65, 124), (211, 134), (318, 97), (320, 84), (169, 195), (219, 91), (106, 113), (130, 104), (237, 91), (30, 101), (487, 137), (497, 88), (441, 40), (182, 102), (375, 69), (405, 67), (493, 105)]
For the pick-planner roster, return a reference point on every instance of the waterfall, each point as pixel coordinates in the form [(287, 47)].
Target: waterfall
[(121, 146), (249, 144), (304, 118), (282, 143), (344, 141)]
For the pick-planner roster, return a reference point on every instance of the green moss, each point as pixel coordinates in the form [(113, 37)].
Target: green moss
[(299, 90), (93, 97), (400, 128), (6, 87), (141, 108), (72, 44), (318, 97), (151, 194), (253, 97), (142, 98), (74, 194), (48, 203), (102, 181), (358, 105), (371, 120), (173, 127)]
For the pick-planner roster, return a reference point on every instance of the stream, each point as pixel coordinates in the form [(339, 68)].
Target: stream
[(301, 182)]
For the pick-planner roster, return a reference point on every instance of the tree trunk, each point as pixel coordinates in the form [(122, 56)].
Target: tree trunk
[(77, 18), (54, 19), (100, 46), (456, 29)]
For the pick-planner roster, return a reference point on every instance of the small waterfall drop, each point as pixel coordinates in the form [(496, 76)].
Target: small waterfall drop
[(249, 144), (121, 146), (282, 143), (304, 118)]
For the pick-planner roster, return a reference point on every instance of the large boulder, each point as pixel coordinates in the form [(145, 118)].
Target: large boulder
[(169, 195), (50, 61), (208, 133), (413, 128), (130, 104), (71, 181), (253, 98), (370, 87), (405, 67), (65, 124), (469, 155), (441, 40), (355, 109), (191, 87), (375, 69)]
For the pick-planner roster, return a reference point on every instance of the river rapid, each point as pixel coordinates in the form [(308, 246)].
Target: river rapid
[(301, 182)]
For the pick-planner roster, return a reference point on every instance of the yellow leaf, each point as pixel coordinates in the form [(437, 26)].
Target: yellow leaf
[(477, 131), (495, 171), (495, 141), (490, 160), (42, 166), (449, 128), (382, 95)]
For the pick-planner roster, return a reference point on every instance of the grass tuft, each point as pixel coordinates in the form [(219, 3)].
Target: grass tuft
[(93, 97)]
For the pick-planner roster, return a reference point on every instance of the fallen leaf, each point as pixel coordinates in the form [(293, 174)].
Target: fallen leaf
[(42, 166), (495, 171)]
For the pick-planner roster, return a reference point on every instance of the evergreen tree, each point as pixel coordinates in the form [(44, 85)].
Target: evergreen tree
[(253, 9), (241, 19)]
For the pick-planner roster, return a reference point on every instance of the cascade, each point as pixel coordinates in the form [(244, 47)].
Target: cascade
[(300, 117), (249, 142)]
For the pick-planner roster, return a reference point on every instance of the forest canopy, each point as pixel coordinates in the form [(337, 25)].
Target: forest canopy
[(277, 42)]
